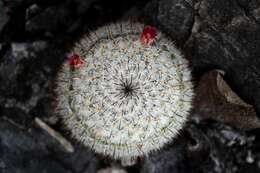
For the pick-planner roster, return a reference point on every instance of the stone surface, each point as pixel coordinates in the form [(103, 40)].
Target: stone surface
[(210, 147), (228, 43), (21, 151), (215, 100), (112, 170), (222, 34), (3, 16), (26, 73), (174, 17), (172, 160)]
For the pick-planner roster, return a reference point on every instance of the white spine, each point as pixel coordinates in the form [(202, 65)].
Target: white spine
[(127, 99)]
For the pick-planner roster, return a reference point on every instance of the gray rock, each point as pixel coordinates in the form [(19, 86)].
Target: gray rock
[(251, 8), (4, 18), (64, 16), (27, 74), (216, 34), (42, 22), (174, 17), (172, 159), (19, 51), (227, 39), (208, 147), (35, 151), (31, 11)]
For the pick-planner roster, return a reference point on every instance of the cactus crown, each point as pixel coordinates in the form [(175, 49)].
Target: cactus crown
[(130, 93)]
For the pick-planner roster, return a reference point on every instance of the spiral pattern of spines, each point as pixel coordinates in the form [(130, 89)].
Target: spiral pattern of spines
[(128, 98)]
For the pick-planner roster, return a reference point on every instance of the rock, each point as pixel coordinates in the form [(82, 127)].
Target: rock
[(82, 160), (82, 6), (207, 147), (41, 22), (27, 73), (227, 39), (252, 8), (250, 159), (216, 34), (4, 18), (225, 148), (64, 17), (174, 17), (216, 100), (19, 50), (34, 151), (173, 159), (213, 12), (32, 10), (112, 170)]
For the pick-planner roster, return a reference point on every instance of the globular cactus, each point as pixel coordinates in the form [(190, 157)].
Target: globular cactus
[(125, 90)]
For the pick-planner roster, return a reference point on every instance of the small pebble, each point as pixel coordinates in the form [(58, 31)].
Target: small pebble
[(112, 170), (250, 159)]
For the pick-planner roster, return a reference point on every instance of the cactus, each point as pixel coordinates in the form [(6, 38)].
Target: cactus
[(125, 90)]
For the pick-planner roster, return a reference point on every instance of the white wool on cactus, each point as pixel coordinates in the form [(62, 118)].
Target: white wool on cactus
[(125, 91)]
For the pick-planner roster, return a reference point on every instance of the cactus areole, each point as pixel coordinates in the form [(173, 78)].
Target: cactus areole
[(125, 90)]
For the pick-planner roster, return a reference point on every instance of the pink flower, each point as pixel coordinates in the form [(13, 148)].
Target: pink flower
[(148, 35), (75, 61)]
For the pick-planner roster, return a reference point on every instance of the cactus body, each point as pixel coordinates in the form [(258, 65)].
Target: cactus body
[(127, 98)]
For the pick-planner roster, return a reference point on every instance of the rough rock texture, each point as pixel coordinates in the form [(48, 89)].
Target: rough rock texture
[(35, 36), (222, 34), (229, 43), (174, 17), (28, 151), (215, 100), (173, 159), (3, 16), (211, 147)]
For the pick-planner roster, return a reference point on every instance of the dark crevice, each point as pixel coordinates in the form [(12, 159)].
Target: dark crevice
[(194, 22), (63, 165), (190, 31), (246, 12)]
